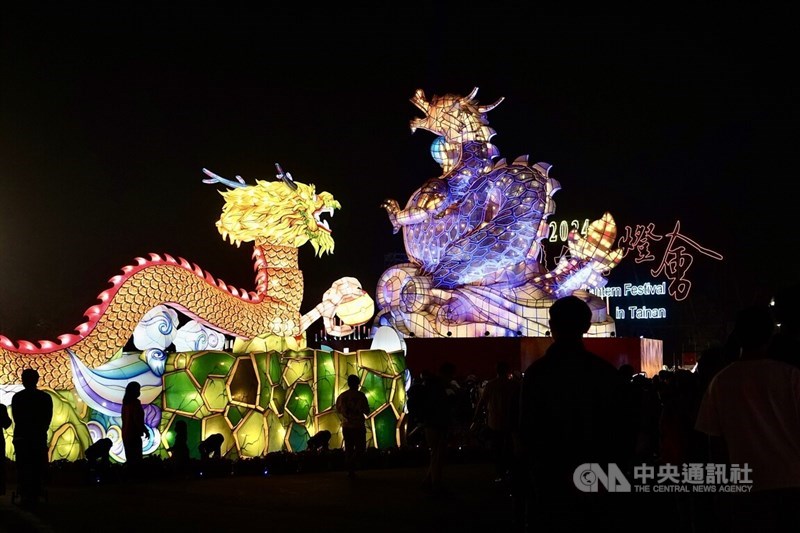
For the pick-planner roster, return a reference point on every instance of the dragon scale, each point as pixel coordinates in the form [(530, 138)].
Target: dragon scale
[(177, 283), (473, 236), (277, 217), (481, 221), (491, 233)]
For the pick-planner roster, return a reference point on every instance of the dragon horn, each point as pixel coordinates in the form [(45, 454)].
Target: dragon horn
[(285, 177), (419, 100), (487, 108), (473, 94), (214, 178)]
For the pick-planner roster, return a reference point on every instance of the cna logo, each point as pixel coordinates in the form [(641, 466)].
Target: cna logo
[(589, 476)]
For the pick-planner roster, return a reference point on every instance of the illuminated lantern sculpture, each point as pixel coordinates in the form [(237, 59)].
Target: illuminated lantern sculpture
[(473, 238), (268, 395), (273, 401)]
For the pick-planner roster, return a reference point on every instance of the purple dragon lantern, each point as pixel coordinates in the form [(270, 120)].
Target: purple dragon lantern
[(473, 237)]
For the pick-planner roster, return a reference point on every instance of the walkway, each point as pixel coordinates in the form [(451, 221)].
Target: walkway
[(379, 500)]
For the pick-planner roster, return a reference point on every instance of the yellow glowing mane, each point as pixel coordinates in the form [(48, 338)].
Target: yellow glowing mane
[(274, 213)]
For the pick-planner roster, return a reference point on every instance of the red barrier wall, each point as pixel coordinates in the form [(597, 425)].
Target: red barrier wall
[(479, 355)]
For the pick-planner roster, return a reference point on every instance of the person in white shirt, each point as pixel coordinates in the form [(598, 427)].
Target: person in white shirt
[(751, 412)]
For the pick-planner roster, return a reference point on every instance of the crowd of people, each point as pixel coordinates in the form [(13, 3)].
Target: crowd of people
[(739, 408), (570, 431)]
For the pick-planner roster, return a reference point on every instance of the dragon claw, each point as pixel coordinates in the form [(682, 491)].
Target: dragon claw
[(390, 205)]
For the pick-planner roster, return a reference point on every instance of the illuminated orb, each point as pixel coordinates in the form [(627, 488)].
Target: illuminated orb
[(357, 311)]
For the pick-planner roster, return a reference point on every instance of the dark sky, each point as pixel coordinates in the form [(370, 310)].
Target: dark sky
[(108, 115)]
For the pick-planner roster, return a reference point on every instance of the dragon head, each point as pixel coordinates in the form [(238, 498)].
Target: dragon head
[(457, 119), (276, 213)]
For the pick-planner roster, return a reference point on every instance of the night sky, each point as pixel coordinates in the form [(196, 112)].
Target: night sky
[(108, 116)]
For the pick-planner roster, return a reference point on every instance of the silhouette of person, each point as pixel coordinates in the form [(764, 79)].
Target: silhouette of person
[(353, 406), (133, 426), (570, 414), (320, 441), (98, 456), (500, 402), (440, 399), (180, 447), (5, 423), (415, 404), (99, 451), (679, 403), (750, 413), (211, 446), (32, 410), (713, 359)]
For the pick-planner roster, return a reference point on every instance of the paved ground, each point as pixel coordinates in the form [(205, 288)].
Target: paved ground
[(379, 500)]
